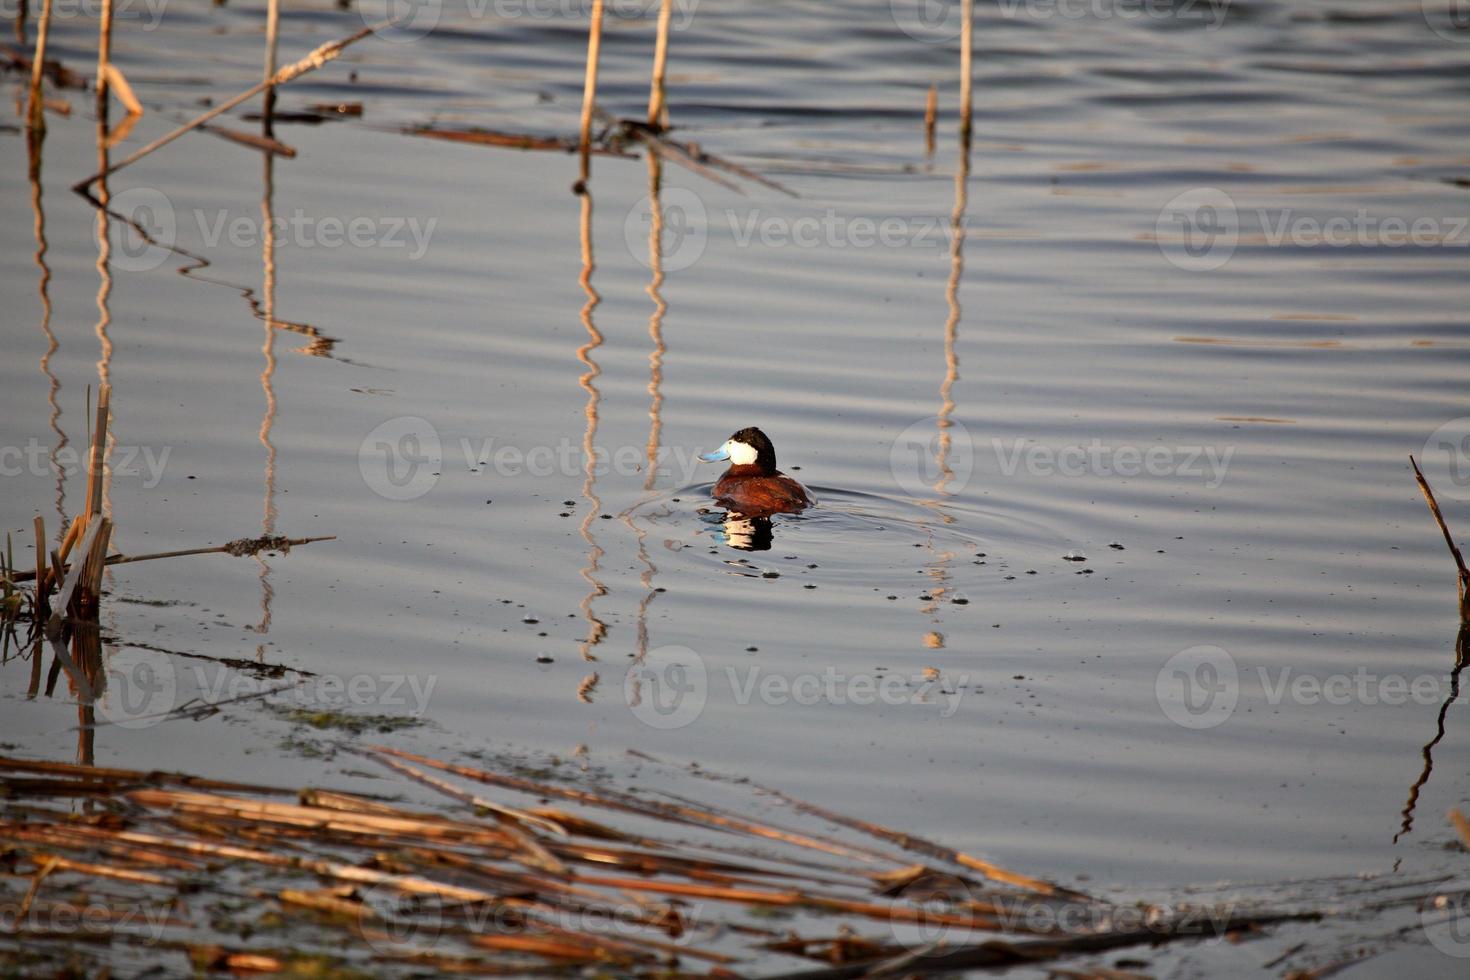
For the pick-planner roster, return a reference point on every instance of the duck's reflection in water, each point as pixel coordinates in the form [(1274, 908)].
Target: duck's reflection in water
[(748, 533)]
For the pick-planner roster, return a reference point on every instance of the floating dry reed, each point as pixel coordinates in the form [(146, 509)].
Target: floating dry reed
[(390, 883), (118, 85), (238, 548)]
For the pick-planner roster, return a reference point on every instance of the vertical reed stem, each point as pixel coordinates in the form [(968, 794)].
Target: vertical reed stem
[(589, 91), (99, 444), (967, 49), (658, 107), (104, 56), (272, 33), (41, 584), (931, 117), (35, 107)]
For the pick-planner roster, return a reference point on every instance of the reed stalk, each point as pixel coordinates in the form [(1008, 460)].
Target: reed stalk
[(931, 118), (967, 74), (42, 585), (96, 461), (658, 107), (104, 57), (272, 33), (589, 90), (35, 106)]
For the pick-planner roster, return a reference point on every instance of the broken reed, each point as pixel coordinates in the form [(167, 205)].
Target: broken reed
[(1449, 540), (78, 586)]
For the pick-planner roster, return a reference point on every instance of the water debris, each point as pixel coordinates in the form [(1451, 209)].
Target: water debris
[(514, 141), (520, 883), (245, 547)]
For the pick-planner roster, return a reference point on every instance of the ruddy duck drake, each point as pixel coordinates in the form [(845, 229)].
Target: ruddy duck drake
[(752, 486)]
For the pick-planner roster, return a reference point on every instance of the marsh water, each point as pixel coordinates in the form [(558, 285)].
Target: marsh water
[(1118, 570)]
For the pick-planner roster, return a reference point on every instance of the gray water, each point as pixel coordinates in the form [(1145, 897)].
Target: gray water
[(1138, 351)]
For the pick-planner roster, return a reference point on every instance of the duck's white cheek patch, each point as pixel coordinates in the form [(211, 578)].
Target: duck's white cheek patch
[(740, 453)]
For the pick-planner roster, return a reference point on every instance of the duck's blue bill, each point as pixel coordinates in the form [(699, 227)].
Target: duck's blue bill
[(715, 456)]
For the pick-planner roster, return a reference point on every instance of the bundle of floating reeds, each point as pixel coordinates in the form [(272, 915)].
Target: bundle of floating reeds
[(234, 876), (157, 867)]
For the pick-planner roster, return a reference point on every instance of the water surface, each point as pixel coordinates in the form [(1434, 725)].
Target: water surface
[(1053, 449)]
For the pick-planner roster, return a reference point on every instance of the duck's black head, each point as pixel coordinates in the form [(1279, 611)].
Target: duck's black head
[(747, 448)]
